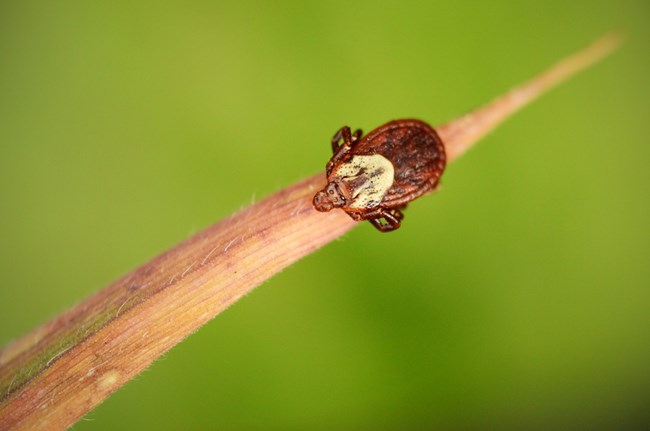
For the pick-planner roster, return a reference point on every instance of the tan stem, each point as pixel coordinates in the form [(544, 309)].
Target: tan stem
[(55, 374)]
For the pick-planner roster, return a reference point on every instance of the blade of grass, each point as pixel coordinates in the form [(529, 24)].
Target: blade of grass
[(52, 376)]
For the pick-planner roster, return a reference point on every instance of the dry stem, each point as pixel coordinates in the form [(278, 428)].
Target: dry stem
[(55, 374)]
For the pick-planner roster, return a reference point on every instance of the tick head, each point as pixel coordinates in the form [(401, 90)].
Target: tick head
[(328, 198)]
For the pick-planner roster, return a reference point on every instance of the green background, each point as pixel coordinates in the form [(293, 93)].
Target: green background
[(517, 297)]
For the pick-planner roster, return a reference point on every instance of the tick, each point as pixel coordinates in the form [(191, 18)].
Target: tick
[(374, 177)]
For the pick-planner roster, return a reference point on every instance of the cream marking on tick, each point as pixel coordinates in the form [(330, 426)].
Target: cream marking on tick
[(377, 173)]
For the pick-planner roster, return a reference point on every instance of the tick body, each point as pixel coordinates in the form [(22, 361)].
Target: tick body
[(375, 176)]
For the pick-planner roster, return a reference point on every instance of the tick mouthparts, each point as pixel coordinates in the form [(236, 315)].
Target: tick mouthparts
[(322, 202), (328, 198)]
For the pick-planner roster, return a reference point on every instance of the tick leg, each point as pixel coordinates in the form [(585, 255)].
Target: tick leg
[(340, 151), (393, 218), (390, 225), (395, 212), (343, 133), (356, 135)]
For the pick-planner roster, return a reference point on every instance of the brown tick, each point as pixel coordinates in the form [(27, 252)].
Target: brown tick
[(375, 176)]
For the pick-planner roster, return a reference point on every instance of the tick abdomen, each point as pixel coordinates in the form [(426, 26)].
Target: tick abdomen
[(416, 153)]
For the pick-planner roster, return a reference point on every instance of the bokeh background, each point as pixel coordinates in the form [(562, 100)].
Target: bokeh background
[(517, 297)]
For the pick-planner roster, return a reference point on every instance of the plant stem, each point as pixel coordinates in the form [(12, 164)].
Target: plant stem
[(55, 374)]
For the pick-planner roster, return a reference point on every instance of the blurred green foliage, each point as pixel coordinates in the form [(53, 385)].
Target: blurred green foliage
[(517, 297)]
